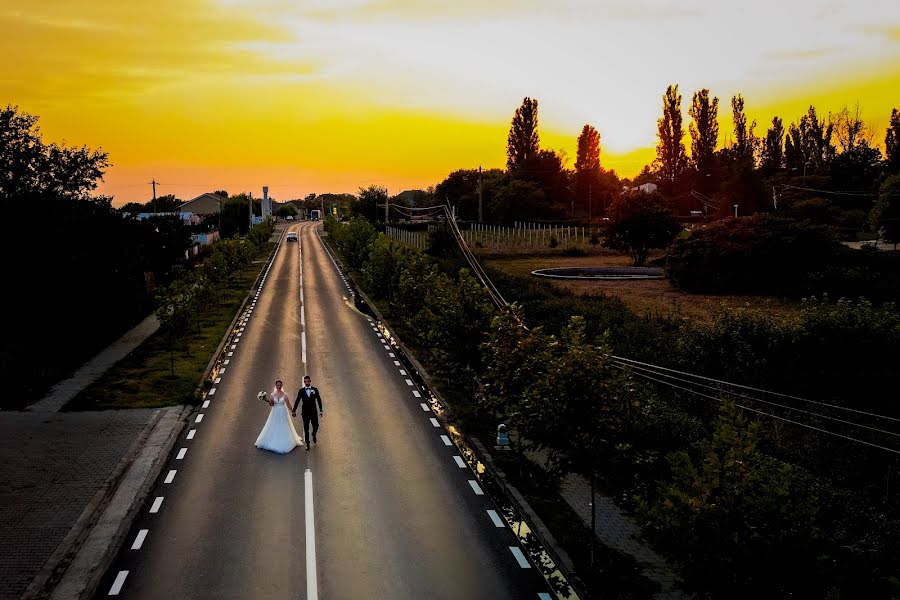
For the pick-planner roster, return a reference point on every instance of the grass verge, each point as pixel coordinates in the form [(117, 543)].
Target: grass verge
[(144, 378)]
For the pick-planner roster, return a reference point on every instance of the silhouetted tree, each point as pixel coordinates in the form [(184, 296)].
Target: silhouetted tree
[(704, 130), (892, 143), (885, 215), (641, 222), (523, 143), (815, 142), (368, 200), (587, 166), (773, 147), (793, 150), (744, 138), (671, 158)]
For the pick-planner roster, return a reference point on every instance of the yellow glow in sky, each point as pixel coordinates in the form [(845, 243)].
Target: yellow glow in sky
[(330, 95)]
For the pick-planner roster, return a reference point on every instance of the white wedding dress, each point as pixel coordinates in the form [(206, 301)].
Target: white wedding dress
[(278, 434)]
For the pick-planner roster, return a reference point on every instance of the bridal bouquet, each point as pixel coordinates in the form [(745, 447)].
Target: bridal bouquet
[(262, 396)]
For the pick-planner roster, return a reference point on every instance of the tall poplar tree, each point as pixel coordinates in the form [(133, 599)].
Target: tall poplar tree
[(744, 139), (704, 129), (773, 146), (892, 142), (523, 143), (671, 157), (587, 166)]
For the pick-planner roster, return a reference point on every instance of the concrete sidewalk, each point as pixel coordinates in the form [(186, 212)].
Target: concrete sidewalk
[(65, 390)]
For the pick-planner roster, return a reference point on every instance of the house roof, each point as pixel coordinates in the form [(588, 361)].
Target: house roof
[(203, 204)]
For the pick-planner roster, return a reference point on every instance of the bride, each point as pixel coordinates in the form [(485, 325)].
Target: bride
[(278, 434)]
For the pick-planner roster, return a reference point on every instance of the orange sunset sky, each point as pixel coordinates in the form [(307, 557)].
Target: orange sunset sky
[(331, 95)]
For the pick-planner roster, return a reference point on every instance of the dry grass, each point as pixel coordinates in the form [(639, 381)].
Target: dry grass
[(657, 296)]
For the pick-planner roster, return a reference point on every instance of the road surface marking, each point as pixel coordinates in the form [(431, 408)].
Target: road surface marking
[(386, 347), (425, 407), (218, 380), (139, 539), (475, 487), (391, 354), (211, 392), (303, 347), (118, 583), (301, 296), (231, 354), (446, 440), (181, 454), (396, 363), (312, 585), (226, 362), (409, 382), (544, 596), (206, 404), (222, 370), (302, 317), (233, 346), (402, 372), (434, 422), (495, 518), (520, 558), (156, 504), (417, 394), (191, 434), (380, 339), (171, 476), (301, 280), (460, 462), (199, 418)]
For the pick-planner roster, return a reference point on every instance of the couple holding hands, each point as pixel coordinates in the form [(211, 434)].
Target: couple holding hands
[(279, 434)]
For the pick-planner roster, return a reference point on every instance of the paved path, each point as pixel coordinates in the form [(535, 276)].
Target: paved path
[(51, 468), (65, 390), (618, 531)]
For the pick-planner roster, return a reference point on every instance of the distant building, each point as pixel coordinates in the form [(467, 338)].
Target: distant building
[(204, 204)]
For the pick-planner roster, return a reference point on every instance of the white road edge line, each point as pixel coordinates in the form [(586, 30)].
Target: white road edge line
[(118, 583), (191, 434), (520, 558), (434, 422), (495, 518), (425, 407), (460, 462), (476, 488), (170, 476), (446, 440), (312, 584), (409, 382), (139, 539), (544, 596), (181, 454), (417, 394), (199, 418), (156, 504), (206, 404)]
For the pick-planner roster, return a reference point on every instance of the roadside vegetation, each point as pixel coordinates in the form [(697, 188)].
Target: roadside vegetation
[(195, 311)]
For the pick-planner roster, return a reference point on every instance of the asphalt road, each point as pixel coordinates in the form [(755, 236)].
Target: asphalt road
[(393, 514)]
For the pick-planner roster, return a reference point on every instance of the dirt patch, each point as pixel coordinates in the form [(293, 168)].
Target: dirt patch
[(646, 296)]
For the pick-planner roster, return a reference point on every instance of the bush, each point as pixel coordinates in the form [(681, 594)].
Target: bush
[(756, 254), (574, 251), (641, 222)]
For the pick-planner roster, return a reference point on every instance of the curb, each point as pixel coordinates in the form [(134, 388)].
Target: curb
[(529, 516)]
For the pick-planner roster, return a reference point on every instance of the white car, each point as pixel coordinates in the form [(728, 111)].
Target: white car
[(290, 217), (291, 237)]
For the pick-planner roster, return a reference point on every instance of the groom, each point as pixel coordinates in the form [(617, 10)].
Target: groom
[(309, 397)]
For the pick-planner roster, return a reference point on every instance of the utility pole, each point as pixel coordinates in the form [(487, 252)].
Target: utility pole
[(250, 225), (480, 196), (153, 182), (387, 205)]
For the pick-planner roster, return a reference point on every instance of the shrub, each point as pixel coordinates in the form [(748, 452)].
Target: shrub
[(756, 254), (573, 251), (641, 222), (553, 242)]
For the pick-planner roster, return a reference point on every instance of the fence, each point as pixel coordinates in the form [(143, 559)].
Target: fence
[(498, 237), (416, 239)]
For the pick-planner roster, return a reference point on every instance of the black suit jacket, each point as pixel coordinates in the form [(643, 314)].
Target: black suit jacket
[(308, 403)]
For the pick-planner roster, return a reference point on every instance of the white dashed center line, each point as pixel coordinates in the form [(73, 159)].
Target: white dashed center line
[(191, 434), (434, 422), (171, 476), (199, 418), (475, 487), (396, 363), (402, 372), (460, 462), (211, 392), (206, 404), (409, 382), (181, 454), (446, 440), (425, 407), (417, 394)]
